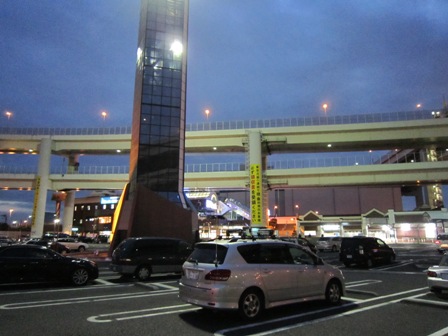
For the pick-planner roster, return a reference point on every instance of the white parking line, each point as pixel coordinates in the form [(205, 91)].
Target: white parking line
[(361, 283), (64, 289), (441, 332), (143, 313), (71, 301), (348, 313), (400, 264)]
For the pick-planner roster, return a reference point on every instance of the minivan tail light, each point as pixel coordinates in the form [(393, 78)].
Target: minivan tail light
[(218, 275)]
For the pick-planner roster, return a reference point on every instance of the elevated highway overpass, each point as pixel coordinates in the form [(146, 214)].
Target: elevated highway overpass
[(417, 132), (427, 134), (417, 173), (303, 139)]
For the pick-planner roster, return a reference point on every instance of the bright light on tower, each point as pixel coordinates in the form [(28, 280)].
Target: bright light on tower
[(176, 48)]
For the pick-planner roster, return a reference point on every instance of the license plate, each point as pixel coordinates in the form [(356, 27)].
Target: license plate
[(192, 274), (349, 256)]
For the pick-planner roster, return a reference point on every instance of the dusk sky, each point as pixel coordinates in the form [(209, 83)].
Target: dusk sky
[(65, 61)]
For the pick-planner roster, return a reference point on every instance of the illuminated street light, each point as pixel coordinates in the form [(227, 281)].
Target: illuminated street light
[(8, 114), (10, 214), (435, 114), (207, 113), (325, 106), (104, 115), (418, 106)]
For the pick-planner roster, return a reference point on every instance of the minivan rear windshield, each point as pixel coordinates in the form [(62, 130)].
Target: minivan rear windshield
[(208, 254)]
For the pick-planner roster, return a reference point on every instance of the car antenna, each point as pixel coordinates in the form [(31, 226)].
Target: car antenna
[(216, 254)]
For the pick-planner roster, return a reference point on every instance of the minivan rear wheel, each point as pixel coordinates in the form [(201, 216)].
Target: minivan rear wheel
[(251, 304), (143, 273)]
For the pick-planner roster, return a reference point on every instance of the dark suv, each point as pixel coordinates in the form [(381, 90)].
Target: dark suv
[(143, 256), (366, 251)]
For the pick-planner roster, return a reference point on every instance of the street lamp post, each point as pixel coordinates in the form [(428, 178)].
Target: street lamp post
[(207, 112), (10, 215), (8, 114), (325, 106), (104, 115)]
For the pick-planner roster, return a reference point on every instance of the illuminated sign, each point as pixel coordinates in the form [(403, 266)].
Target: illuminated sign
[(256, 206), (110, 199)]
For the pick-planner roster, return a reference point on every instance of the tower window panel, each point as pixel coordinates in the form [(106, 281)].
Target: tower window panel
[(155, 130), (157, 90), (177, 83), (166, 121), (176, 93), (165, 111), (146, 99), (174, 131), (166, 91), (167, 73), (176, 74), (144, 139), (155, 120), (164, 131), (160, 26), (157, 100), (144, 129), (175, 102), (166, 101), (154, 140)]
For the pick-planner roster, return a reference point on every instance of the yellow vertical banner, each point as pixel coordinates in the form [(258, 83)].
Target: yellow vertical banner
[(256, 206), (36, 199)]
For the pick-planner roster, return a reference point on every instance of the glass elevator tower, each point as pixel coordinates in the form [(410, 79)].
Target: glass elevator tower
[(158, 126)]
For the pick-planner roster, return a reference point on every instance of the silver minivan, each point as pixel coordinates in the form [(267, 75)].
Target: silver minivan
[(252, 275)]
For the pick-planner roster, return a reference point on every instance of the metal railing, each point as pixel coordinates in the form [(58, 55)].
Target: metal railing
[(309, 162), (236, 124), (311, 121)]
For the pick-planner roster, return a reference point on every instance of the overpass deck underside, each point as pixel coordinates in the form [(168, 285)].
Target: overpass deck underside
[(387, 174)]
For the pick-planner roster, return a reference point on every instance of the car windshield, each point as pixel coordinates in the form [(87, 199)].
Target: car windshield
[(208, 254)]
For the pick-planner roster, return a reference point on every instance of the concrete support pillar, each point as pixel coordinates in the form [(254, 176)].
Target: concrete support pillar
[(319, 231), (365, 226), (73, 164), (41, 187), (257, 195), (69, 208), (391, 221)]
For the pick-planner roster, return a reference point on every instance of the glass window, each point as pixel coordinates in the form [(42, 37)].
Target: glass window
[(208, 254), (302, 257)]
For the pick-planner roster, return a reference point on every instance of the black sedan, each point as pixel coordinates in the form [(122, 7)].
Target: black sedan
[(32, 263)]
